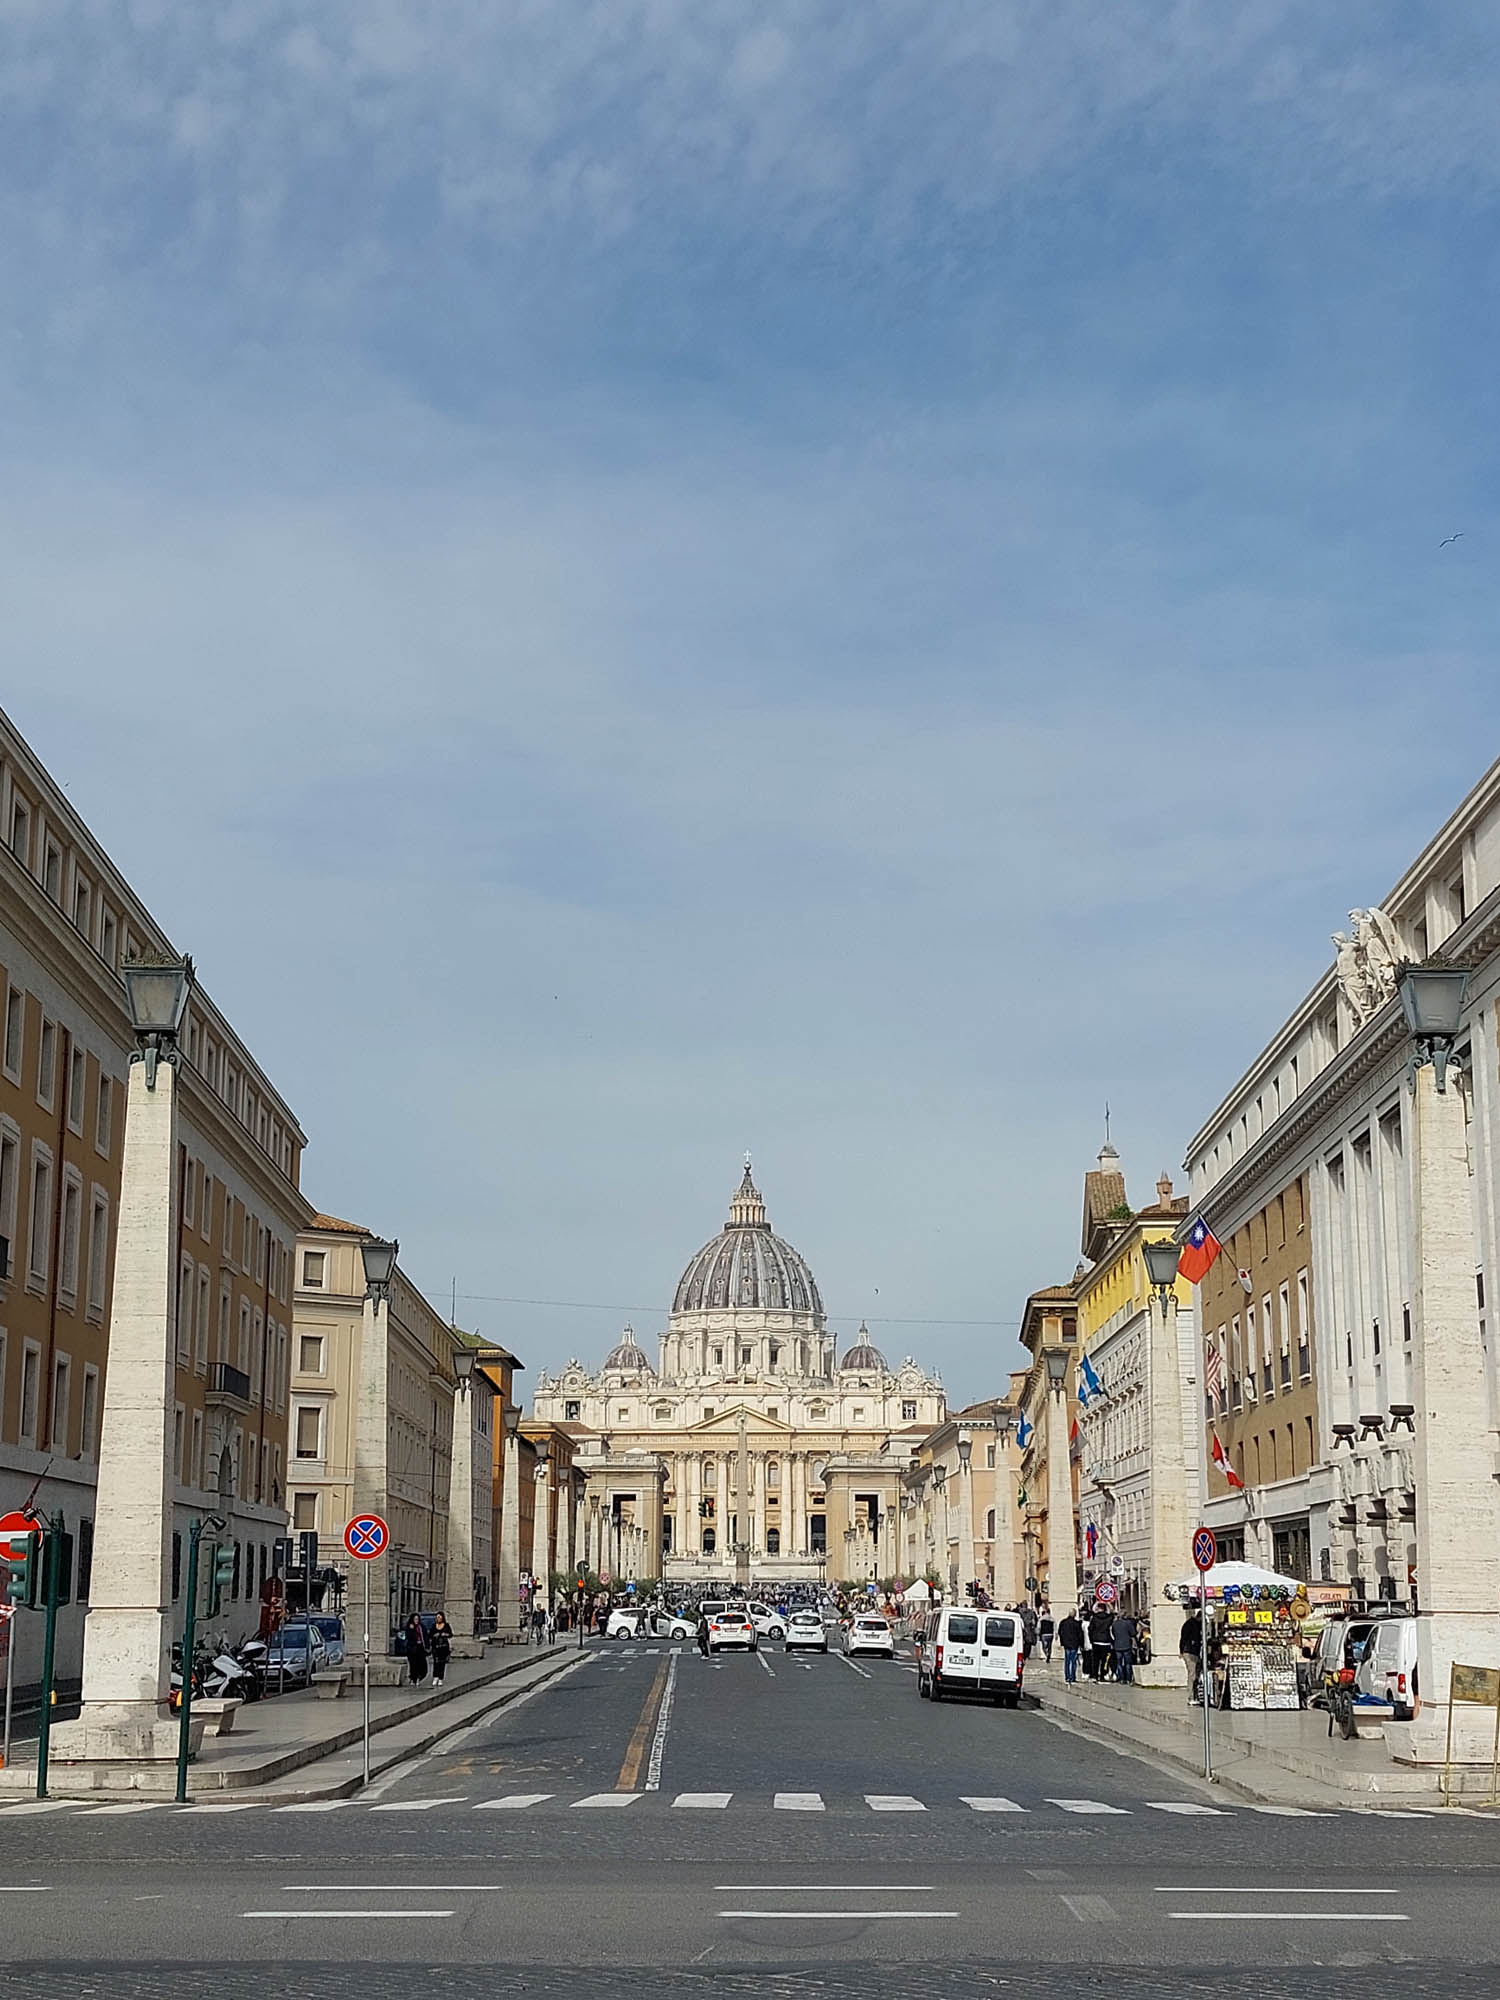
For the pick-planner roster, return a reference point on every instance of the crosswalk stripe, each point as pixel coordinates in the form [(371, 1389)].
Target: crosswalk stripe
[(315, 1805), (512, 1802), (419, 1805), (135, 1806), (1086, 1806), (798, 1802), (1184, 1807), (893, 1802), (993, 1805), (607, 1799), (39, 1806), (1285, 1812), (711, 1801)]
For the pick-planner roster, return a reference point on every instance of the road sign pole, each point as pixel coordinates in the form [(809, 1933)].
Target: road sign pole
[(189, 1644), (1205, 1555), (366, 1568), (51, 1566)]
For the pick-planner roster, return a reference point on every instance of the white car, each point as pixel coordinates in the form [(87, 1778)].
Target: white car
[(732, 1628), (869, 1634), (806, 1628), (768, 1622), (673, 1625), (626, 1623)]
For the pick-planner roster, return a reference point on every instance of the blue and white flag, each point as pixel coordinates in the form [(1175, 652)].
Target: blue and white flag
[(1094, 1385), (1023, 1431), (1084, 1398)]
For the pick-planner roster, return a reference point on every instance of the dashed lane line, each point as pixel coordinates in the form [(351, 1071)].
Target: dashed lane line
[(703, 1801), (1087, 1806), (607, 1799), (893, 1802), (994, 1806), (798, 1802)]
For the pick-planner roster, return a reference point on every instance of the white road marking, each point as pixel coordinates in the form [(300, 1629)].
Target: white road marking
[(710, 1801), (798, 1802), (1288, 1916), (315, 1805), (23, 1888), (833, 1916), (513, 1802), (137, 1806), (1285, 1812), (825, 1888), (1273, 1890), (893, 1802), (766, 1664), (659, 1740), (863, 1672), (233, 1805), (994, 1805), (392, 1888), (1183, 1806), (607, 1799), (420, 1805), (39, 1806), (1087, 1806), (1398, 1812), (320, 1914), (1089, 1909)]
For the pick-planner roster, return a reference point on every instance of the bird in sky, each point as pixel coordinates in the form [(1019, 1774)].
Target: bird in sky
[(1451, 538)]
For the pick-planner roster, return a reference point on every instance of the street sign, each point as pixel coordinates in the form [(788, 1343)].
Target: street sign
[(1106, 1592), (1031, 1583), (1117, 1565), (366, 1536), (15, 1524), (605, 1577), (1205, 1549)]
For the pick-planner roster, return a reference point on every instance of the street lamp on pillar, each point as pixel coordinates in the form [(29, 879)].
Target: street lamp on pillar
[(509, 1612), (127, 1635), (379, 1259), (1171, 1508), (463, 1369), (1062, 1538), (1007, 1583), (965, 1513), (1458, 1518)]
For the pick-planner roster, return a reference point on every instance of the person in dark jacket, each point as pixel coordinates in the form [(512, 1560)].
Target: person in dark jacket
[(441, 1646), (416, 1650), (1046, 1629), (1101, 1642), (1070, 1637), (1122, 1635), (1190, 1647), (702, 1634)]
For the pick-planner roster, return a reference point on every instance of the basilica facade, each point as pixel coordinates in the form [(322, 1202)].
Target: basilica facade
[(750, 1443)]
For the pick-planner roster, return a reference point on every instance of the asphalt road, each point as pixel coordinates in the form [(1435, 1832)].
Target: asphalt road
[(761, 1822)]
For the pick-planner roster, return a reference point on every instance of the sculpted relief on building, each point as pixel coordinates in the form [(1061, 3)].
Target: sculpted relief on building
[(746, 1344)]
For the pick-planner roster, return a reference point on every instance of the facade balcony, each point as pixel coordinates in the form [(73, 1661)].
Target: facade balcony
[(228, 1388)]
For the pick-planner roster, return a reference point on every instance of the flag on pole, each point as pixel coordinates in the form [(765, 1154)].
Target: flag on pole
[(1221, 1459), (1198, 1253), (1023, 1430), (1213, 1370), (1083, 1395), (1075, 1440), (1090, 1377)]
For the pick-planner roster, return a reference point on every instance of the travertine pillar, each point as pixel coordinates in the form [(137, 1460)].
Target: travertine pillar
[(508, 1610), (128, 1631), (1171, 1523), (1458, 1522), (458, 1595), (1062, 1558)]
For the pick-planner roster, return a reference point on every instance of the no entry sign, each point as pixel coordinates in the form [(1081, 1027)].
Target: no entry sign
[(366, 1536), (15, 1525)]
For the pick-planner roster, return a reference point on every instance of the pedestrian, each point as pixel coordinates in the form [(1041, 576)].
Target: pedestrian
[(1190, 1648), (416, 1650), (702, 1634), (1028, 1630), (441, 1646), (539, 1623), (1122, 1635), (551, 1626), (1070, 1633), (1046, 1629), (1101, 1642)]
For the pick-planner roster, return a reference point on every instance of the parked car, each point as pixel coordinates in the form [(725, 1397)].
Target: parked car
[(296, 1653), (971, 1652), (673, 1624), (333, 1636), (869, 1634), (1388, 1670), (806, 1628), (732, 1628)]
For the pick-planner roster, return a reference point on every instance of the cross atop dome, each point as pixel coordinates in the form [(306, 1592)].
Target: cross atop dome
[(747, 1210)]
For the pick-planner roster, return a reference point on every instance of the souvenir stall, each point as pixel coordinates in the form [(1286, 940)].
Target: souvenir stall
[(1254, 1633)]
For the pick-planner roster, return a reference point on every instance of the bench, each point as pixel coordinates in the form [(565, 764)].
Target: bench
[(222, 1712), (331, 1684)]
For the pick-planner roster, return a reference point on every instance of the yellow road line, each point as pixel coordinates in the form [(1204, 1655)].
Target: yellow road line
[(630, 1770)]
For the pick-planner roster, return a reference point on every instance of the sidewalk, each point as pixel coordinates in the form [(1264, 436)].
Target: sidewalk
[(283, 1734), (1280, 1757)]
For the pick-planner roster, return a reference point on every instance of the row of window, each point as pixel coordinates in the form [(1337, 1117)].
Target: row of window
[(82, 1248), (664, 1413), (55, 1049), (46, 1421), (1255, 1364), (63, 877)]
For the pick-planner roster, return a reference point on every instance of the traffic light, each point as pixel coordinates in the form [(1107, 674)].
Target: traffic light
[(220, 1575), (307, 1549), (283, 1553), (63, 1556), (24, 1569)]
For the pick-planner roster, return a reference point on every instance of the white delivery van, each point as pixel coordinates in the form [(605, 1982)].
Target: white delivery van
[(1389, 1668), (965, 1651)]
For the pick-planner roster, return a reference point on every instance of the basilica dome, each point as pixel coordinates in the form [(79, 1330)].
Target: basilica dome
[(864, 1354), (628, 1355), (747, 1265)]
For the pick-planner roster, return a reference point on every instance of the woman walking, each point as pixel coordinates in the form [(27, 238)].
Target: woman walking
[(442, 1647), (416, 1650)]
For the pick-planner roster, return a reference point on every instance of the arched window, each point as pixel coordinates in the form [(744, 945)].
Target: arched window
[(773, 1472), (773, 1541), (989, 1524), (710, 1541)]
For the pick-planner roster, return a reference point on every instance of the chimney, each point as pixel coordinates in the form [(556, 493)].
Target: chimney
[(1164, 1190)]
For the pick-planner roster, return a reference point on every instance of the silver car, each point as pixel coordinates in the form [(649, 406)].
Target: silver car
[(296, 1653)]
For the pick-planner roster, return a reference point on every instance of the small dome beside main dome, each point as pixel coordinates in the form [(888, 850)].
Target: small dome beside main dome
[(628, 1355), (747, 1265), (864, 1355)]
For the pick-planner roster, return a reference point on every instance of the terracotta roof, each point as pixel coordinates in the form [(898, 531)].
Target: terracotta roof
[(337, 1227)]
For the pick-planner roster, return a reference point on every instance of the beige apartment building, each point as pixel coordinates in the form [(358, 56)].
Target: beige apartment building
[(67, 920), (934, 1541), (406, 1476)]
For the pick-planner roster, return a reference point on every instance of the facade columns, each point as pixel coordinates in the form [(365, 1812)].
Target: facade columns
[(128, 1631), (1458, 1533), (458, 1594), (1170, 1526)]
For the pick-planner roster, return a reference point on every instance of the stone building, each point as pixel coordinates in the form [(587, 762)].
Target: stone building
[(68, 920), (746, 1364)]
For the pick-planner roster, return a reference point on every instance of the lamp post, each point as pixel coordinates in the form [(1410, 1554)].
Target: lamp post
[(1062, 1539), (940, 1487), (128, 1631), (1171, 1512), (596, 1544), (458, 1586), (508, 1611), (1003, 1553), (965, 1513), (541, 1533), (1458, 1532)]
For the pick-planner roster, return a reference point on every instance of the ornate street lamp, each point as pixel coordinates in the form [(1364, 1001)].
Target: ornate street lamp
[(464, 1358), (1432, 999), (379, 1259), (157, 990)]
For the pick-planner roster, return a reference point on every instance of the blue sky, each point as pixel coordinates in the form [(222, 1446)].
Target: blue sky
[(852, 581)]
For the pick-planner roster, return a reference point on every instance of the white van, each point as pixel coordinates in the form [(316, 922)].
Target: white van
[(1389, 1668), (964, 1651)]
